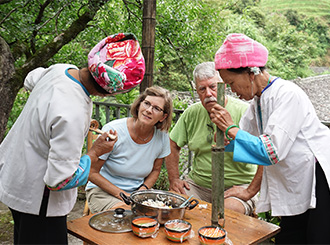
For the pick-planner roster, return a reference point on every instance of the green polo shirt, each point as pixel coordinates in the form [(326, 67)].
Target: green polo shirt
[(192, 130)]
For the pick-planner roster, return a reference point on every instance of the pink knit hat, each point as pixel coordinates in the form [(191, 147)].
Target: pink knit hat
[(117, 63), (238, 50)]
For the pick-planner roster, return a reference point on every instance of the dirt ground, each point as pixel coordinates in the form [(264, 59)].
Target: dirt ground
[(74, 214)]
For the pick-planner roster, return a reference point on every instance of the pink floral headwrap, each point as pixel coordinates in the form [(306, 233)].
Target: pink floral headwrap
[(238, 50), (117, 63)]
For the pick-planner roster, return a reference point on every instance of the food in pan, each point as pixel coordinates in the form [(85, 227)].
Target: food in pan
[(155, 203)]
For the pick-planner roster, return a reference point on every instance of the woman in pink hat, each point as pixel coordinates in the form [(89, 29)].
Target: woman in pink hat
[(40, 158), (282, 132)]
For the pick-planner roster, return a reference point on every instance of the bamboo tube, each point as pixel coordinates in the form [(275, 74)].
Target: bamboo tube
[(218, 186), (148, 41)]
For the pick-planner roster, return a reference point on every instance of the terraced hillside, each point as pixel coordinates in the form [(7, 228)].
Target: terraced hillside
[(316, 8)]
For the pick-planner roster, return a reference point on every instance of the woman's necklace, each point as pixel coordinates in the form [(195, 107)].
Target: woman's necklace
[(145, 139)]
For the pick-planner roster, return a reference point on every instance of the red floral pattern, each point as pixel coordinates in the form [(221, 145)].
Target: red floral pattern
[(117, 66)]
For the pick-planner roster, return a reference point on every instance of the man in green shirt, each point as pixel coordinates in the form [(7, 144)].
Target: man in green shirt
[(195, 129)]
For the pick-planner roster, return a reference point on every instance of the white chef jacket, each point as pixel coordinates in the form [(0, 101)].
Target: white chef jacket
[(299, 138), (44, 145)]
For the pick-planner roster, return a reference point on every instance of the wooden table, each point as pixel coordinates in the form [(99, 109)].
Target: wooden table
[(241, 229)]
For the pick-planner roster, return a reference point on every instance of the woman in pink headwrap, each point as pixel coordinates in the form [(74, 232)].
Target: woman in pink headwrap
[(40, 158), (282, 132)]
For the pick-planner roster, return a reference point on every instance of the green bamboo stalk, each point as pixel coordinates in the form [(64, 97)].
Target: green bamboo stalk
[(218, 186)]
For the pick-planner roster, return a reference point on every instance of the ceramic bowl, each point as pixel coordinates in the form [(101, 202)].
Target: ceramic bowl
[(144, 226), (177, 230), (211, 235)]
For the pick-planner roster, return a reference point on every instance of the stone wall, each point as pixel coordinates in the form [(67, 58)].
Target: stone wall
[(318, 90)]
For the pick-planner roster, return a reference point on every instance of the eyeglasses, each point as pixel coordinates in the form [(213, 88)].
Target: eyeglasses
[(210, 136), (146, 104)]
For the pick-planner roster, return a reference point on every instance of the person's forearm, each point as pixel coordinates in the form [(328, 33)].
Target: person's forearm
[(79, 177), (101, 146), (172, 162), (172, 165), (151, 179), (255, 184)]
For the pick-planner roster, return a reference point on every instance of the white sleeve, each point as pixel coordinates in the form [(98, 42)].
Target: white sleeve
[(33, 77), (248, 121), (67, 122), (287, 115)]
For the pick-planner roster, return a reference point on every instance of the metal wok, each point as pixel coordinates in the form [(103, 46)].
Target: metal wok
[(161, 214)]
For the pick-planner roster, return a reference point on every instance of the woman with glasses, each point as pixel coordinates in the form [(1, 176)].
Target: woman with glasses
[(137, 156)]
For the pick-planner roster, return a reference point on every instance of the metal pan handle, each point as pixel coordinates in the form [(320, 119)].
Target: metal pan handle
[(193, 203), (126, 199)]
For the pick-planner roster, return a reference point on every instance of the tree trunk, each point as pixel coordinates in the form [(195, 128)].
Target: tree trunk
[(11, 79), (7, 91), (148, 41)]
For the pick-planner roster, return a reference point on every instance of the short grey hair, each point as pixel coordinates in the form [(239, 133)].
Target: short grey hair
[(204, 71)]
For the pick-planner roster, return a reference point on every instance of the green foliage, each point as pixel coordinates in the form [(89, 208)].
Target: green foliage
[(266, 216), (128, 98), (180, 103), (185, 160), (187, 33), (316, 29), (106, 23), (312, 19), (162, 182), (31, 25), (185, 38), (102, 119), (316, 9), (240, 6), (257, 16), (290, 51), (6, 228)]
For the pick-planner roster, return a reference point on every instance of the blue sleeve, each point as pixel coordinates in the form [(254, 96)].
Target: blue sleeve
[(79, 178), (230, 146), (249, 149)]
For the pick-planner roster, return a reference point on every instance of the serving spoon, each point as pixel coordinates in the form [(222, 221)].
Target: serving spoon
[(95, 128), (185, 202)]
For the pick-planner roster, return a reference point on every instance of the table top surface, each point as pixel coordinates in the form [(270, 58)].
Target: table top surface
[(241, 229)]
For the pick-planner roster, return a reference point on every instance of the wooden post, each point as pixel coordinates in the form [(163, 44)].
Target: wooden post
[(218, 177), (148, 41)]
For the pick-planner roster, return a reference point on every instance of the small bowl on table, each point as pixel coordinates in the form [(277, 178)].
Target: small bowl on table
[(144, 226), (212, 235), (177, 230)]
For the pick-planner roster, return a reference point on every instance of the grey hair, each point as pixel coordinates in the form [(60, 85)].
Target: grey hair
[(204, 71)]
